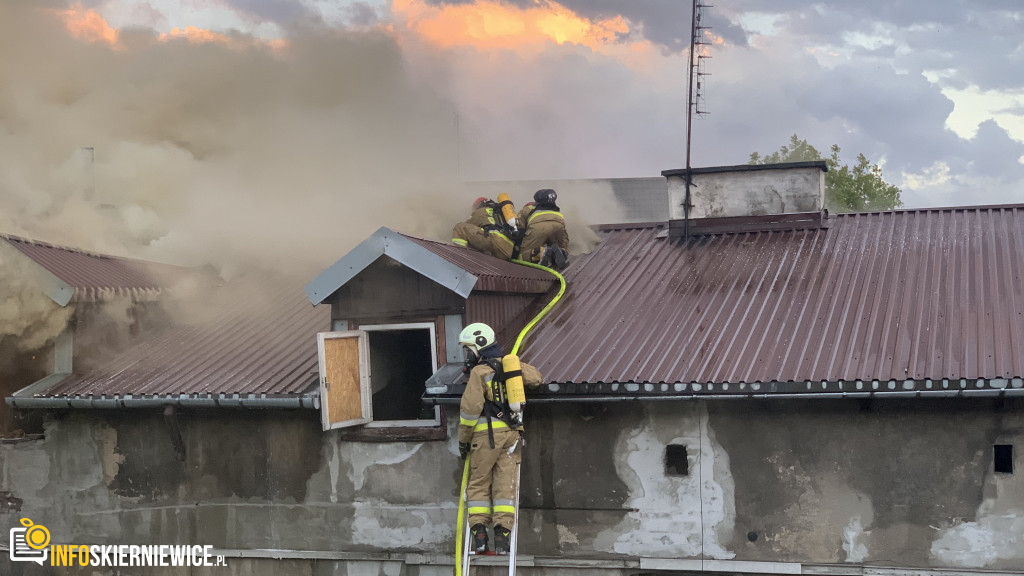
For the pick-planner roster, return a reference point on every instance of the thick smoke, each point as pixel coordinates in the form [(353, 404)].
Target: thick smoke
[(236, 152), (25, 311), (230, 151)]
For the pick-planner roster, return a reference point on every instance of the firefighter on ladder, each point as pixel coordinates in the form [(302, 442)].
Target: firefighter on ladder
[(490, 434)]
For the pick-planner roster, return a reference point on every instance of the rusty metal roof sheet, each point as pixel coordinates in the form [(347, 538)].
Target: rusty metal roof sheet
[(90, 274), (259, 339), (493, 274), (894, 297)]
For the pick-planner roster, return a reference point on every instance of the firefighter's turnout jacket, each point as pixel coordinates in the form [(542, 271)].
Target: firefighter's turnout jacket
[(491, 491), (544, 225), (482, 233)]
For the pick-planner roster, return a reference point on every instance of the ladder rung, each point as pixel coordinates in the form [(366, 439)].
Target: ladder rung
[(495, 560)]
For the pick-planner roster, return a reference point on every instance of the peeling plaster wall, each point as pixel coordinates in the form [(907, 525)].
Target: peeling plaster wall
[(890, 483), (996, 535), (676, 516), (249, 480)]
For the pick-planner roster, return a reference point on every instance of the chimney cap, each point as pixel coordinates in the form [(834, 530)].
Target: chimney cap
[(748, 167)]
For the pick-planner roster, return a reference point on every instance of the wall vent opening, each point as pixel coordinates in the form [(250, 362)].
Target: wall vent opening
[(675, 460), (1003, 456)]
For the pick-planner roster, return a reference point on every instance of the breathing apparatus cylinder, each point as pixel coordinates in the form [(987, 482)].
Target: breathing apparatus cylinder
[(514, 391), (508, 211)]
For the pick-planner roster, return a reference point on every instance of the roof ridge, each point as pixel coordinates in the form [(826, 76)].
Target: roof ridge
[(973, 207), (45, 244)]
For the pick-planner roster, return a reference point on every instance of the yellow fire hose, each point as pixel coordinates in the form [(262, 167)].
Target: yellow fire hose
[(515, 350)]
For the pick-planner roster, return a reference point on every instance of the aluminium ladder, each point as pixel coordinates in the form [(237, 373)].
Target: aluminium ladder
[(467, 558)]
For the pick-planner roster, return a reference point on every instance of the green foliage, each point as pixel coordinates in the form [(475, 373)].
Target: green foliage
[(847, 189)]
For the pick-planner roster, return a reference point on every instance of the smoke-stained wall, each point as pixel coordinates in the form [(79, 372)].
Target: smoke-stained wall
[(836, 481)]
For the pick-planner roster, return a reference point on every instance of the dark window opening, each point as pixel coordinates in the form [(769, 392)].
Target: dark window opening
[(400, 362), (1003, 458), (675, 460)]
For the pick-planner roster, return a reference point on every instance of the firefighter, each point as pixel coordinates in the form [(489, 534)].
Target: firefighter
[(546, 240), (466, 234), (484, 231), (489, 432)]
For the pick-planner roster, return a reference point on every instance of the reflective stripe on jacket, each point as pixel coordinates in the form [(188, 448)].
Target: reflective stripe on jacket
[(478, 391)]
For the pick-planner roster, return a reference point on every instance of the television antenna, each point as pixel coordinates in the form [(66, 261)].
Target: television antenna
[(695, 103)]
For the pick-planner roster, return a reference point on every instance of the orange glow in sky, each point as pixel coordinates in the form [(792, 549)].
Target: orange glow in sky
[(484, 24), (88, 25), (193, 34), (491, 24)]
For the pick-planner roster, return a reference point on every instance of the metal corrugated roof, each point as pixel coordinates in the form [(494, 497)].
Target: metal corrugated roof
[(90, 274), (893, 296), (261, 340), (493, 274)]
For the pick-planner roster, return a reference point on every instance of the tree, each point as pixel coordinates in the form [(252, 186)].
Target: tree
[(857, 189)]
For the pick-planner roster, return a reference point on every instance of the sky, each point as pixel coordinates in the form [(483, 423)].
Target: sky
[(285, 131)]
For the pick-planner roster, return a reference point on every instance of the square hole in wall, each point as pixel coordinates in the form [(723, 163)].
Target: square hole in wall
[(1003, 456), (675, 460)]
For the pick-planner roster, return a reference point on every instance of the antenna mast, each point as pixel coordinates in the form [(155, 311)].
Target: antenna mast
[(695, 91)]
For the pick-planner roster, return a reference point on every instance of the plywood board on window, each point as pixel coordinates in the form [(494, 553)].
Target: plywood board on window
[(344, 379)]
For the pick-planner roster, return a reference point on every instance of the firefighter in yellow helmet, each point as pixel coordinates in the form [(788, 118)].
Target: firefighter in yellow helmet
[(546, 240), (483, 231), (489, 433)]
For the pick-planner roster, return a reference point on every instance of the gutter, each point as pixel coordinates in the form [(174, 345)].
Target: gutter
[(247, 401), (999, 393)]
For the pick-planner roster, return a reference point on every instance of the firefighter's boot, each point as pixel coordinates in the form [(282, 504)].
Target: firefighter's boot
[(553, 256), (502, 540), (478, 539)]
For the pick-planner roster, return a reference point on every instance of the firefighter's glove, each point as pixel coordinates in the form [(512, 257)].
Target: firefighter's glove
[(463, 449)]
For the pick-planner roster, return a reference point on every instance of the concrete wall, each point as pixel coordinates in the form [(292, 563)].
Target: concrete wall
[(898, 482), (748, 192)]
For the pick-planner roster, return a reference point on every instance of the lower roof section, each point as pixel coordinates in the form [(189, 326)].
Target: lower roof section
[(253, 338)]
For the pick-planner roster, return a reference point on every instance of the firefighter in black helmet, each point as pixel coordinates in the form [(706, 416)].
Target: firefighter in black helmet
[(546, 240)]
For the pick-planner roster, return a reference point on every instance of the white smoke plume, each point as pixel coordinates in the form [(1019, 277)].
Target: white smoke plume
[(25, 311)]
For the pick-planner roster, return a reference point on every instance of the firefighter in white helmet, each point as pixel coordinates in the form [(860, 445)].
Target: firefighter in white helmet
[(489, 433)]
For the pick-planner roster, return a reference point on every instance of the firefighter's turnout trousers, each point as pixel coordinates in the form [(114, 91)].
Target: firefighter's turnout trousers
[(544, 227), (472, 236), (491, 491)]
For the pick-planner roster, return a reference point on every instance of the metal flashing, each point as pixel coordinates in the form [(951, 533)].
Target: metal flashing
[(388, 242)]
